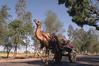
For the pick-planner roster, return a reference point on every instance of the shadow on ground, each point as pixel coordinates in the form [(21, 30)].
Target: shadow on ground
[(81, 61), (90, 59), (63, 63)]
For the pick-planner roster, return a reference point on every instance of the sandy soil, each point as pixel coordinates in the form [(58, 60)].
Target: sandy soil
[(81, 61)]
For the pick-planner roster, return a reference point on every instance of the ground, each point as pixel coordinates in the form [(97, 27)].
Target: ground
[(81, 61)]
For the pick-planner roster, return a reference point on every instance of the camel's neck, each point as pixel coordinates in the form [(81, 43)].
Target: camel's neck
[(38, 33), (41, 36), (38, 30)]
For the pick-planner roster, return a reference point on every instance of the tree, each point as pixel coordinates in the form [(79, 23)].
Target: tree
[(4, 30), (21, 9), (83, 12), (52, 23), (4, 14), (84, 41), (70, 32), (15, 27), (22, 14), (8, 45), (26, 18), (7, 40)]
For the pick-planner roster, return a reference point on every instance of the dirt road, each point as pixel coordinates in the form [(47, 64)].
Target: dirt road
[(81, 61)]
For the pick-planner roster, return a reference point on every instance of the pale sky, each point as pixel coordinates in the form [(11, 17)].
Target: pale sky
[(39, 9)]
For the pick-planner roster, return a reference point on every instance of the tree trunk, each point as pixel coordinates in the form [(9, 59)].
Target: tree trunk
[(7, 52), (15, 51), (26, 50)]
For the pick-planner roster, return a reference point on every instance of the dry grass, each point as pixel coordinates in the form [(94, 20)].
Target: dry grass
[(18, 55), (22, 55)]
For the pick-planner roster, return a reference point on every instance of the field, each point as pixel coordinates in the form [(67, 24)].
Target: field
[(19, 55)]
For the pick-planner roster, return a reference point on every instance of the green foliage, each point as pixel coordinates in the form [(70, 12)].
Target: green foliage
[(27, 29), (84, 41), (15, 27), (52, 23), (4, 14), (15, 24), (82, 11), (12, 33), (25, 17), (23, 25)]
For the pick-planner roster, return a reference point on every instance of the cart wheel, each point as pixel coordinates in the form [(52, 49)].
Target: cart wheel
[(72, 57)]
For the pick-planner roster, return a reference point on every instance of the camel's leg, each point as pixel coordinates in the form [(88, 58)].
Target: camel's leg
[(42, 55), (46, 56)]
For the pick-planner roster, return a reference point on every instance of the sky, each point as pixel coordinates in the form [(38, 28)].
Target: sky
[(39, 9)]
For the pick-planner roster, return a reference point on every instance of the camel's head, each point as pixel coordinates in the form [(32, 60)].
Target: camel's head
[(37, 22)]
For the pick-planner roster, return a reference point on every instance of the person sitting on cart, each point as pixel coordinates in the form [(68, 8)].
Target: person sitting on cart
[(54, 42), (66, 45)]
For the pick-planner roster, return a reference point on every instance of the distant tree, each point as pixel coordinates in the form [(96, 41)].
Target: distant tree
[(4, 14), (84, 40), (21, 9), (5, 34), (26, 44), (83, 11), (52, 23), (8, 45), (26, 18), (70, 32), (19, 33), (22, 14), (15, 27)]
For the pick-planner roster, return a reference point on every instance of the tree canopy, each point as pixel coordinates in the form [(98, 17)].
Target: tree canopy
[(52, 23), (83, 11), (14, 31), (84, 40)]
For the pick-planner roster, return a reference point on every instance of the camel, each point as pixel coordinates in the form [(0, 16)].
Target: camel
[(43, 37), (48, 40)]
